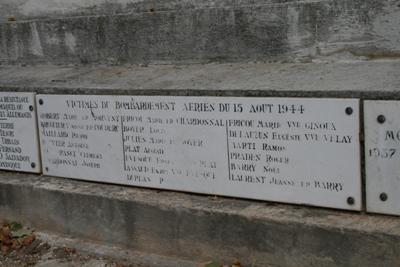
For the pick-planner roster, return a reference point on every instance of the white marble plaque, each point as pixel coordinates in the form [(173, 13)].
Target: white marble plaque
[(303, 151), (19, 143), (382, 156)]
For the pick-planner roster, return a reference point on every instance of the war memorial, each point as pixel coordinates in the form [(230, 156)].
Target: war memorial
[(267, 131)]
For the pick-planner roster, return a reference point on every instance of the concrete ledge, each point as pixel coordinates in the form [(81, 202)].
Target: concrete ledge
[(365, 79), (199, 228)]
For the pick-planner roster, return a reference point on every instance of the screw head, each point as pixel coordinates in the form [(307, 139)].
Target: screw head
[(31, 108), (383, 197), (33, 165), (381, 119), (350, 201), (40, 101), (349, 111)]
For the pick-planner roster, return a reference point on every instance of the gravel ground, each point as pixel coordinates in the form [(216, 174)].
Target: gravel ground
[(20, 246), (41, 254)]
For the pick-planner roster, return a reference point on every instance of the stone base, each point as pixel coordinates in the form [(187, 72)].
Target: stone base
[(199, 228)]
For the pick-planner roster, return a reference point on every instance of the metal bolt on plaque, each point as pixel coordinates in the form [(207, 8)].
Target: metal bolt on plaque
[(350, 201), (381, 119), (383, 197)]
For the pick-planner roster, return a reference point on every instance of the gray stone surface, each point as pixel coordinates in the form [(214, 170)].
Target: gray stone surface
[(377, 79), (135, 31), (199, 227), (102, 252)]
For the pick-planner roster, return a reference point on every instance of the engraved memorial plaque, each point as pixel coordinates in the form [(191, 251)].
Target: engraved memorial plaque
[(303, 151), (382, 156), (19, 149)]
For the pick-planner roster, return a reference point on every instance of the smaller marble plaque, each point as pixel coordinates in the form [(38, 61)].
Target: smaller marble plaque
[(382, 156), (19, 143)]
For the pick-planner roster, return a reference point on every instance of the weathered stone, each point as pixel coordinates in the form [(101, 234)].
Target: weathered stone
[(365, 79), (201, 228), (185, 31)]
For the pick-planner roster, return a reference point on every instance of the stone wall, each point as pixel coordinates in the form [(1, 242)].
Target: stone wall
[(82, 32)]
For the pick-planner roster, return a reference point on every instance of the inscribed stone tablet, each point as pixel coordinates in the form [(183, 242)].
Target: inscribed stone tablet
[(382, 156), (19, 150), (303, 151)]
